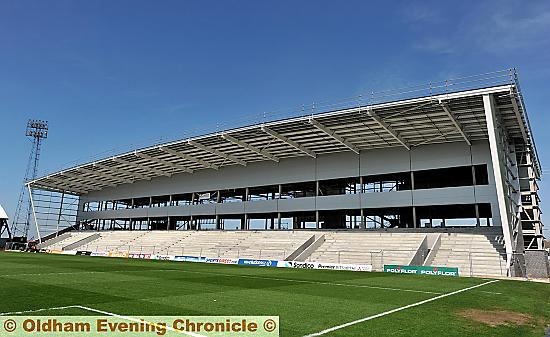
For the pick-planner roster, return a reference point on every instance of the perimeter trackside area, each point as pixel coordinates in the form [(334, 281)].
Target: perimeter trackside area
[(203, 259), (397, 269), (307, 301)]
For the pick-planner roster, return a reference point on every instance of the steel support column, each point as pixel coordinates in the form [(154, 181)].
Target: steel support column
[(497, 160), (34, 214)]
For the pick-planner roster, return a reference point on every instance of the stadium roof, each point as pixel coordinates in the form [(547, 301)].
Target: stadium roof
[(432, 119)]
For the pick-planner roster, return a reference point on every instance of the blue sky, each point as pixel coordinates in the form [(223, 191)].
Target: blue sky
[(109, 75)]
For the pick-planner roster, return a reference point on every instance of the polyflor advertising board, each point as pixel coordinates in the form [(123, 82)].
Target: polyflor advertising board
[(421, 270)]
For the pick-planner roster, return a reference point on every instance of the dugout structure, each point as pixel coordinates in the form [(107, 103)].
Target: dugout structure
[(459, 154)]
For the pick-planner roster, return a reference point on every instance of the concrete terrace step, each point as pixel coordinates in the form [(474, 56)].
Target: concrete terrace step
[(476, 254)]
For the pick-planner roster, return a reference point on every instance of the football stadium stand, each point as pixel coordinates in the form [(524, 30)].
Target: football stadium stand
[(439, 175), (372, 248), (475, 254)]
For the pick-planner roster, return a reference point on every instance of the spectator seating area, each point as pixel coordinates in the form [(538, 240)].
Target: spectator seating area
[(476, 253)]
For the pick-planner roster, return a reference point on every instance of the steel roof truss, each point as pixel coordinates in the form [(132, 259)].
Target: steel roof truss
[(455, 122), (141, 166), (249, 147), (86, 180), (388, 128), (216, 152), (71, 185), (126, 172), (164, 162), (105, 175), (333, 135), (187, 157), (400, 112), (288, 141)]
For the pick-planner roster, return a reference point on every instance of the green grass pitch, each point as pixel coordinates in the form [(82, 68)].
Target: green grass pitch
[(307, 301)]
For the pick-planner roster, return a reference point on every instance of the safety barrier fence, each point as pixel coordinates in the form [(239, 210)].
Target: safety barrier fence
[(263, 253), (469, 263)]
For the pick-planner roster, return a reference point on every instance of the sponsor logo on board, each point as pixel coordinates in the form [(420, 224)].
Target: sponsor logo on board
[(259, 263), (140, 256), (331, 266), (189, 258), (118, 254), (421, 270), (222, 260)]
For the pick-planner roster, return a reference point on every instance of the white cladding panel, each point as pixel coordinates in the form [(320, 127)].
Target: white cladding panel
[(296, 205), (389, 160), (157, 212), (346, 201), (178, 210), (328, 166), (444, 196), (260, 206), (387, 199), (206, 209), (440, 156), (230, 208), (337, 165)]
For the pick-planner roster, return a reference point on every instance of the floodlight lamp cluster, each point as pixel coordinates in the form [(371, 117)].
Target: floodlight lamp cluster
[(37, 128)]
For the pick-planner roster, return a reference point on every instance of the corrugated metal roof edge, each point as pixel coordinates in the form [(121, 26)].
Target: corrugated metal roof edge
[(446, 96)]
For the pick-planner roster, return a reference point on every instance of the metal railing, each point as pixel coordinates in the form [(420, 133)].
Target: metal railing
[(218, 252), (473, 263), (469, 263), (376, 258)]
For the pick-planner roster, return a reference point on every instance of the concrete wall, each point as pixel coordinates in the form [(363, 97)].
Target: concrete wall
[(338, 165)]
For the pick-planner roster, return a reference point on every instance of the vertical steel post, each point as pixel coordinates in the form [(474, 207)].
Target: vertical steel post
[(34, 214), (59, 215), (317, 219)]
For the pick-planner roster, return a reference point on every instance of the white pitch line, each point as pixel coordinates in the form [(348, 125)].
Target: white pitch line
[(138, 320), (36, 310), (315, 282), (345, 325), (235, 275)]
